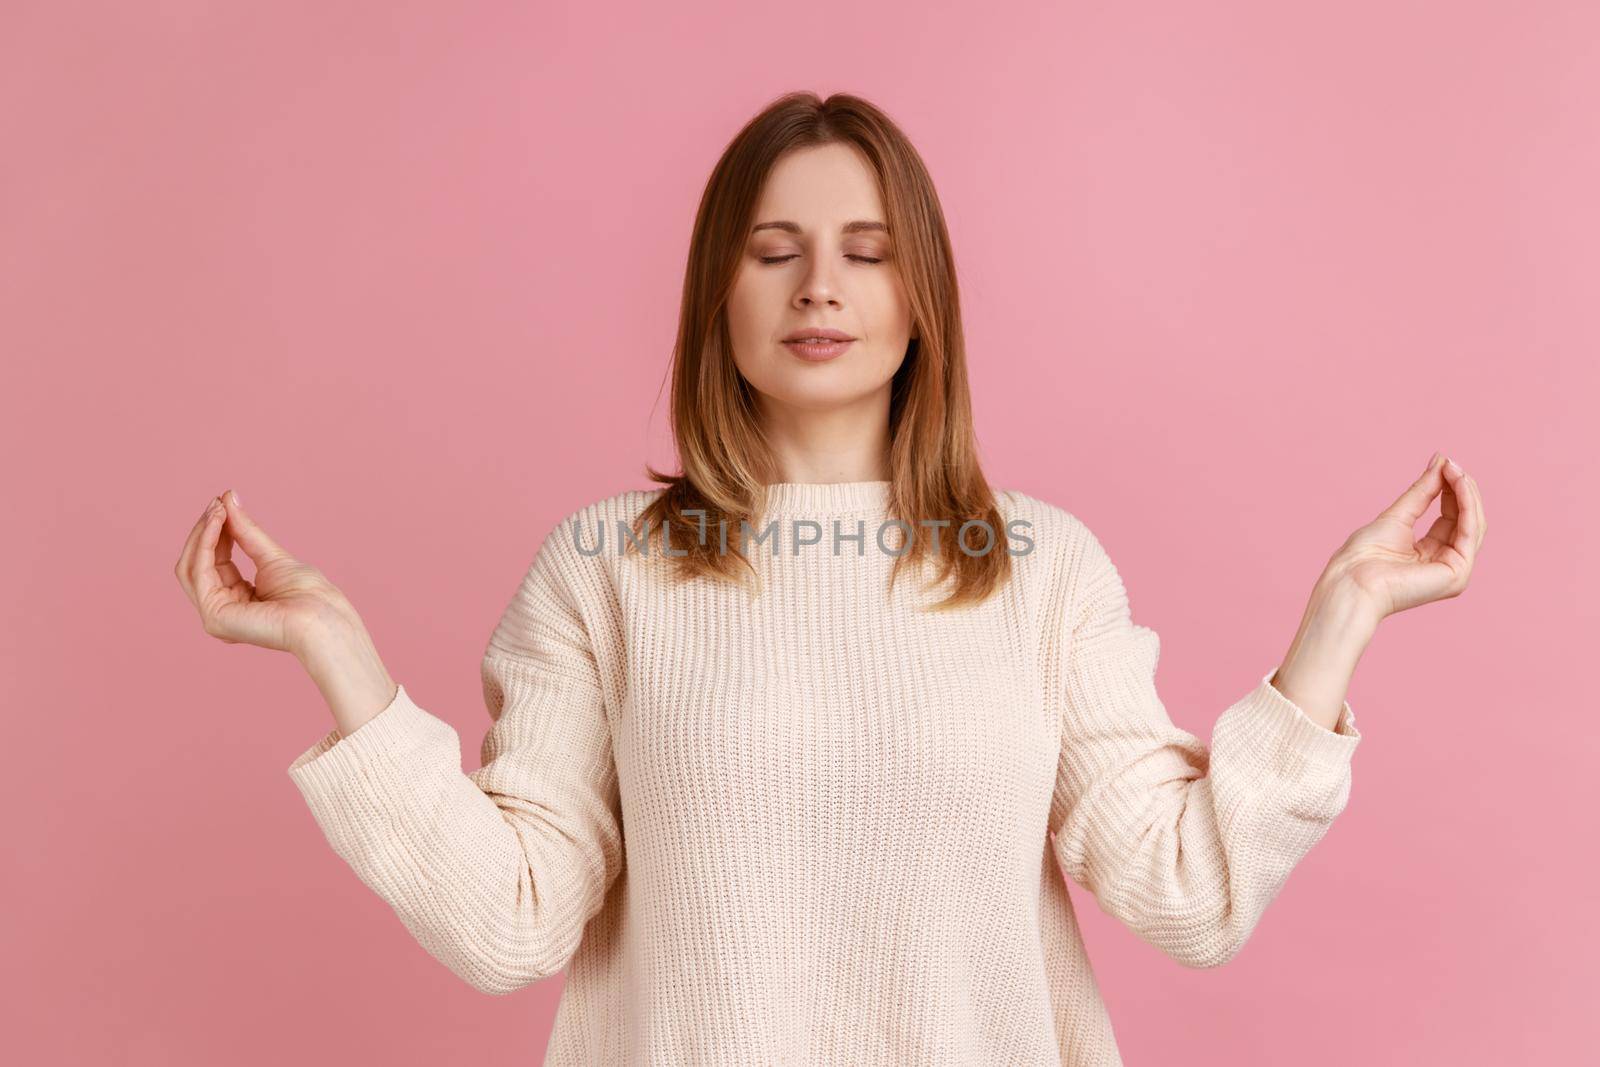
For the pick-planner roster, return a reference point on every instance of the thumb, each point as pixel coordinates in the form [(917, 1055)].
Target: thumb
[(1411, 504), (249, 536)]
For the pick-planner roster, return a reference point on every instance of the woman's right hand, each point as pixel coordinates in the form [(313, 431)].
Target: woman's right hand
[(287, 606)]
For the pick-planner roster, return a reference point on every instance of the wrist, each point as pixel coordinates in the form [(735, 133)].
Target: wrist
[(1339, 607), (329, 633), (1334, 632), (344, 664)]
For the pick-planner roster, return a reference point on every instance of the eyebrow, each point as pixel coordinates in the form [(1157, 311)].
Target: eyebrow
[(856, 226)]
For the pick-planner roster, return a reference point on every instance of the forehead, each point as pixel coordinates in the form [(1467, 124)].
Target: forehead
[(821, 187)]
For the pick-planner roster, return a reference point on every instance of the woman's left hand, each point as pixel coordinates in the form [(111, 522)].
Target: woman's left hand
[(1389, 570)]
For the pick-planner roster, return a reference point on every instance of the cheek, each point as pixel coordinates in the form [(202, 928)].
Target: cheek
[(750, 325), (891, 311), (749, 305)]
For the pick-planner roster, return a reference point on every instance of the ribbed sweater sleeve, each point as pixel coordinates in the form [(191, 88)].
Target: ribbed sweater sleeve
[(494, 872), (1183, 844)]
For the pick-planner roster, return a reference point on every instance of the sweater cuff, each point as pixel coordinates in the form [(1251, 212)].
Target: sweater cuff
[(401, 724), (361, 789), (1292, 729)]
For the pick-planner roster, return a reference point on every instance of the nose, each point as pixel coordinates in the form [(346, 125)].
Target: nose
[(819, 286)]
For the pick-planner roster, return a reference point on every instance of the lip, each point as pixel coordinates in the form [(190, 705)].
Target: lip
[(818, 351), (818, 331)]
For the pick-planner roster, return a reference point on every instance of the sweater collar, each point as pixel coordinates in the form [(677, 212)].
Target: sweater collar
[(826, 498)]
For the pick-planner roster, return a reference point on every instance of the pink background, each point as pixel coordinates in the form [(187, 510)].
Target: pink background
[(406, 275)]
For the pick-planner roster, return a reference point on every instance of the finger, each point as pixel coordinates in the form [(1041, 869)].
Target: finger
[(185, 565), (1476, 496), (1477, 502), (1410, 505), (203, 574), (1438, 535), (250, 536), (1436, 580), (1466, 534), (226, 571)]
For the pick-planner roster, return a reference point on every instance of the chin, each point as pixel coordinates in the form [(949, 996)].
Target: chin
[(815, 399)]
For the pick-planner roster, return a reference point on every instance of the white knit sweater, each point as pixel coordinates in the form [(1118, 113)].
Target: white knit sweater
[(818, 825)]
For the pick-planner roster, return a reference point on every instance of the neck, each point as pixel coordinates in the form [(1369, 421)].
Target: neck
[(846, 443)]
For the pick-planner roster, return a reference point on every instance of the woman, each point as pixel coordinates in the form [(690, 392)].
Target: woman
[(849, 805)]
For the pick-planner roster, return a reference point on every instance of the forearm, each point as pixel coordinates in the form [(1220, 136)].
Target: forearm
[(1334, 631), (1183, 842), (345, 666)]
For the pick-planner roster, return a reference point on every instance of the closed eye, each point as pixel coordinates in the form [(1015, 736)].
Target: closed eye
[(785, 259)]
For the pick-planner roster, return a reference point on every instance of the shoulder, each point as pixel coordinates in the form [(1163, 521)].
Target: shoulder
[(1072, 564), (623, 506), (567, 552), (1058, 532), (578, 526)]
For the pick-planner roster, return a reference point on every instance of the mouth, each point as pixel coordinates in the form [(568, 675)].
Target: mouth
[(816, 349)]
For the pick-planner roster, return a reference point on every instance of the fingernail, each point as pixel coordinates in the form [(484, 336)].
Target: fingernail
[(235, 494), (1453, 465), (1434, 459)]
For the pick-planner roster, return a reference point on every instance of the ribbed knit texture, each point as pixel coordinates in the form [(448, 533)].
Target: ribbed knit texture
[(820, 826)]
